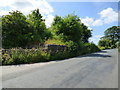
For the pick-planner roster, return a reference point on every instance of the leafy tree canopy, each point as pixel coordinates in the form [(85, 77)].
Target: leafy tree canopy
[(14, 30), (21, 31), (70, 28), (111, 37), (38, 27), (113, 33)]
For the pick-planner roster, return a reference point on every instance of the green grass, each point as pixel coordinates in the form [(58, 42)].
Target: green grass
[(22, 56), (54, 41), (119, 49), (27, 56)]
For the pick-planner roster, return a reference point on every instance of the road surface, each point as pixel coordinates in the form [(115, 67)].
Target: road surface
[(97, 70)]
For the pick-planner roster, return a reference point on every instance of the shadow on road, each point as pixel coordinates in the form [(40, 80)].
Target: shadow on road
[(97, 55), (91, 55)]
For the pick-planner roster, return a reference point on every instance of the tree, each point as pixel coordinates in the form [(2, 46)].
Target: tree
[(86, 33), (55, 26), (68, 28), (111, 37), (38, 28), (105, 43), (14, 30), (113, 33)]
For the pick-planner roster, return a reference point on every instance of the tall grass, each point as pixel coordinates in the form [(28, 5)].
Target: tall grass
[(119, 47), (23, 56), (54, 41)]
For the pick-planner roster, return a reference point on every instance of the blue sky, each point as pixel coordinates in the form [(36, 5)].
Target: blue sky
[(98, 16)]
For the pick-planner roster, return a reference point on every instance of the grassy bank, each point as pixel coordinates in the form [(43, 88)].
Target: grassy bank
[(27, 56)]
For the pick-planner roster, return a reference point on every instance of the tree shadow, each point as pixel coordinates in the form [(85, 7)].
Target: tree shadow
[(89, 55), (95, 55)]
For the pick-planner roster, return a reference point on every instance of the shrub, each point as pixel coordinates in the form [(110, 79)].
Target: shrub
[(54, 41), (22, 56), (119, 47), (90, 48), (60, 55), (102, 48), (77, 49)]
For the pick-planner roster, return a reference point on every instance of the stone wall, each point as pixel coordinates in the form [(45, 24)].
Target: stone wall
[(48, 48), (55, 48)]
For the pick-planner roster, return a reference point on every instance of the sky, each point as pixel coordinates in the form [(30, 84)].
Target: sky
[(98, 16)]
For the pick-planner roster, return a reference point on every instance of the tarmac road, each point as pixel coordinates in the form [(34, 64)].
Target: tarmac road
[(96, 70)]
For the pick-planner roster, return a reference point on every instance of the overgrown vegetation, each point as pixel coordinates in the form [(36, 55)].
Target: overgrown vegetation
[(119, 47), (111, 38), (23, 56), (54, 41), (20, 31)]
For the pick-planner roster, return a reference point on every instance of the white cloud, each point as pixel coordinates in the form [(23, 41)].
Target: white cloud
[(98, 36), (87, 21), (89, 28), (26, 6), (49, 20), (3, 12), (83, 0), (95, 38), (97, 22), (106, 16), (4, 3), (119, 17)]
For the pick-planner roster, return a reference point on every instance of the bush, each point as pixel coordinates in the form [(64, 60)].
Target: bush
[(119, 47), (60, 56), (90, 48), (77, 49), (54, 41), (22, 56), (102, 48), (27, 56)]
